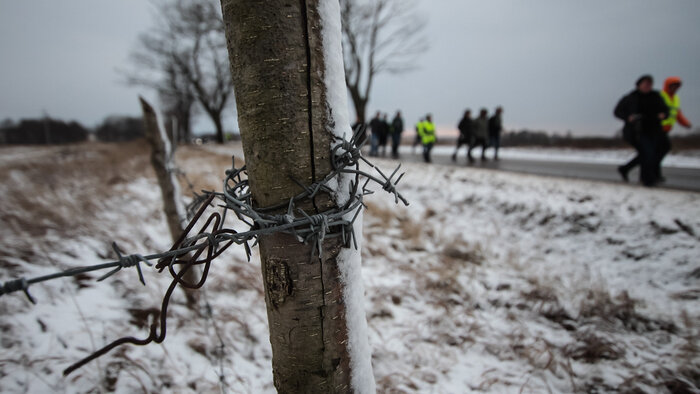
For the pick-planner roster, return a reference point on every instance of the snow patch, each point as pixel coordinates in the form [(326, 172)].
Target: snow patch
[(349, 259)]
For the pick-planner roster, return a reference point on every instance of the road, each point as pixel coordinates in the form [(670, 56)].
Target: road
[(676, 178)]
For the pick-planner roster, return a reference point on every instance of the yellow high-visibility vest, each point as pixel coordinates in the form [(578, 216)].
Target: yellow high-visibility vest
[(428, 132), (674, 104), (419, 128)]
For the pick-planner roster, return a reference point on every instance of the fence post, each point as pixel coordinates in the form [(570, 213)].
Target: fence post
[(162, 163), (277, 64)]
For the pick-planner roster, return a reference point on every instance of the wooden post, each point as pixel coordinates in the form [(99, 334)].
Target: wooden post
[(161, 155), (161, 160), (277, 65)]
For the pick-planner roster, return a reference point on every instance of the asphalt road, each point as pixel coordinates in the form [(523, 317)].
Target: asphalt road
[(676, 178)]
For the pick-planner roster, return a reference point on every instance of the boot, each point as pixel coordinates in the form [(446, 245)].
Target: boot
[(623, 173)]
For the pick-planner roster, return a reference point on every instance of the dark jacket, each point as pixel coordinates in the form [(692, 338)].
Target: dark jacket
[(383, 132), (495, 126), (465, 129), (376, 126), (480, 128), (397, 125), (646, 107)]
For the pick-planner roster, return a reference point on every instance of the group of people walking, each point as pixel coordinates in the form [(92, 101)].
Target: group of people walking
[(649, 116), (382, 130), (483, 131)]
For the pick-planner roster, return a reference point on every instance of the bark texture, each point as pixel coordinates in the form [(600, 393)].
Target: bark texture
[(277, 67)]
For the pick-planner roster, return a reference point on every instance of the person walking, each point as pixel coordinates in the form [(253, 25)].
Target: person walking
[(396, 130), (428, 138), (673, 102), (495, 127), (375, 126), (419, 132), (480, 131), (384, 132), (642, 110), (465, 134)]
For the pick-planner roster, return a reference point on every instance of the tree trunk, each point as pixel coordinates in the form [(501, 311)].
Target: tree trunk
[(219, 127), (183, 121), (278, 70), (359, 103)]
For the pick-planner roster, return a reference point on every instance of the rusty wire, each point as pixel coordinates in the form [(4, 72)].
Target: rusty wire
[(212, 239)]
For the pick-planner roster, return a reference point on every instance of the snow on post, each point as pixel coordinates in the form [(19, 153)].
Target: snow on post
[(349, 259)]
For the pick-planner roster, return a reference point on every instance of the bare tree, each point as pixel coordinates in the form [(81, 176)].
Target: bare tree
[(201, 56), (155, 69), (379, 36), (179, 104), (184, 59)]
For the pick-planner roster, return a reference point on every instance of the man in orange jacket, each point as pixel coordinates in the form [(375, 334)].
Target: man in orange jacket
[(671, 87)]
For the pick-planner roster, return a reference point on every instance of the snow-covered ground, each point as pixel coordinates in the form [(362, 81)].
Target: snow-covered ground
[(488, 281)]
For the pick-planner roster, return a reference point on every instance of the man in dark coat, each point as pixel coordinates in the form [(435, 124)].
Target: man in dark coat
[(465, 134), (376, 126), (480, 132), (396, 130), (384, 134), (642, 110), (495, 127)]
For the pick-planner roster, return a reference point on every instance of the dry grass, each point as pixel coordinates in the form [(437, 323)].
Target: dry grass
[(591, 348), (60, 190), (600, 306), (65, 184), (459, 250), (212, 166)]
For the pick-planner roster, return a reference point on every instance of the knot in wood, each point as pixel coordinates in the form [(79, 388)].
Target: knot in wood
[(277, 281)]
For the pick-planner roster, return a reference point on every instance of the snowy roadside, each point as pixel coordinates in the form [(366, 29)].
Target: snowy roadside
[(508, 282), (488, 281), (684, 159)]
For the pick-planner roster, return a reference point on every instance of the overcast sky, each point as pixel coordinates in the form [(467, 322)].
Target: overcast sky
[(553, 65)]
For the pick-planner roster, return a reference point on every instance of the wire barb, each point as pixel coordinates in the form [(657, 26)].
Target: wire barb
[(126, 262)]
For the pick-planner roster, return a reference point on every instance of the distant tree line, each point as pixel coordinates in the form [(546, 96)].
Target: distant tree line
[(54, 131), (114, 128), (42, 131)]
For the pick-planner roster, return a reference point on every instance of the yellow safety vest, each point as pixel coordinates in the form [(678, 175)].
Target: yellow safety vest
[(674, 104), (419, 129), (428, 132)]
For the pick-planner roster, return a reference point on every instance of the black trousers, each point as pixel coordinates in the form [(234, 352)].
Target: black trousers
[(477, 142), (426, 152), (651, 150)]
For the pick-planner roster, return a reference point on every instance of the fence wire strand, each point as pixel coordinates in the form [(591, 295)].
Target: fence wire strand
[(200, 248)]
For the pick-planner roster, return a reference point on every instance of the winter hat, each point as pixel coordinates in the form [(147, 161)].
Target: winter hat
[(643, 78)]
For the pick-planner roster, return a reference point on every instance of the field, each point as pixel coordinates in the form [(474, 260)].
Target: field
[(488, 281)]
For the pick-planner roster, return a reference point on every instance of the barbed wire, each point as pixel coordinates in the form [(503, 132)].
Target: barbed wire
[(213, 239)]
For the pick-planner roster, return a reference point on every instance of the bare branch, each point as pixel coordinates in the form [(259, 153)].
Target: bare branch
[(379, 36), (184, 58)]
